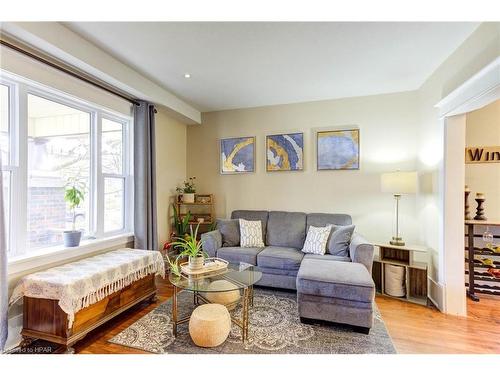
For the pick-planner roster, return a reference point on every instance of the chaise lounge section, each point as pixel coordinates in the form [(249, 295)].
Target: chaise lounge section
[(335, 288), (336, 292)]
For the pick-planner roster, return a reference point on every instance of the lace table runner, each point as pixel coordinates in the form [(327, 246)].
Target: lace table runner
[(80, 284)]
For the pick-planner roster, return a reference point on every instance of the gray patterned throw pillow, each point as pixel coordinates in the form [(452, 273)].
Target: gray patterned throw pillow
[(316, 240), (251, 233)]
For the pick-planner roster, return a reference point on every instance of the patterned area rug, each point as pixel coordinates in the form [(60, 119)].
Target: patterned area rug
[(274, 328)]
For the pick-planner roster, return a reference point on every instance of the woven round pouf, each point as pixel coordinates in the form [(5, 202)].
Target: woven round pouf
[(229, 299), (209, 325)]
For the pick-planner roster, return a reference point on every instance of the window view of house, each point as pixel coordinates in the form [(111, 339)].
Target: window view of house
[(58, 157)]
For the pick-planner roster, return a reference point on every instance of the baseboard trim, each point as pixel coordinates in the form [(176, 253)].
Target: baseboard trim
[(436, 293)]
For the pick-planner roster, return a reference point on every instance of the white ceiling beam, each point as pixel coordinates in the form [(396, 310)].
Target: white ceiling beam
[(60, 42)]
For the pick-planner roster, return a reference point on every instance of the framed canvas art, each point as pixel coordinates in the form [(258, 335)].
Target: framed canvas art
[(285, 152), (237, 155), (337, 150)]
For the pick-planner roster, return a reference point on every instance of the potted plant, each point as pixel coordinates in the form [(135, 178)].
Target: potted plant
[(73, 196), (188, 190), (192, 248), (181, 225)]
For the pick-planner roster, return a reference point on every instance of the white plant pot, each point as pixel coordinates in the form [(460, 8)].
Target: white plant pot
[(188, 197), (196, 263)]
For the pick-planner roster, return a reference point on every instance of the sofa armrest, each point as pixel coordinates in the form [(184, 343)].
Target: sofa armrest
[(361, 251), (211, 241)]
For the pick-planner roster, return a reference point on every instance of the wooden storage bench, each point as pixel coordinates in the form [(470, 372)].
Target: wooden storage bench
[(44, 318)]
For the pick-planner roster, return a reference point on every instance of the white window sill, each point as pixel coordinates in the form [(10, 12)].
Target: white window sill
[(56, 254)]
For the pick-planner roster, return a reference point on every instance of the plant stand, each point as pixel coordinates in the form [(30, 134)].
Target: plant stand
[(202, 211)]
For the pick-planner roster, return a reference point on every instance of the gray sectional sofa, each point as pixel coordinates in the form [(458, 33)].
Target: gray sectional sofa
[(335, 288)]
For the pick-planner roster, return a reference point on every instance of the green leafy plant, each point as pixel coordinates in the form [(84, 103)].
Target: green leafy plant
[(190, 246), (188, 186), (181, 225), (74, 196)]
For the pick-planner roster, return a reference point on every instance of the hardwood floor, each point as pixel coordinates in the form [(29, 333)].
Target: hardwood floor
[(413, 328), (417, 329)]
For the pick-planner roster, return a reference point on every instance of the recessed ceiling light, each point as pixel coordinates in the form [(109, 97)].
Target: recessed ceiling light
[(187, 75)]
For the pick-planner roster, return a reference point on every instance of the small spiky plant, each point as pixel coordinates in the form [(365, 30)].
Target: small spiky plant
[(190, 246)]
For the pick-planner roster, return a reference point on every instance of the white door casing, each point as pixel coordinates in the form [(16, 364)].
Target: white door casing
[(480, 90)]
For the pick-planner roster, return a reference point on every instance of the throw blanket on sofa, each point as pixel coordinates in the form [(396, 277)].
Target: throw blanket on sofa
[(80, 284)]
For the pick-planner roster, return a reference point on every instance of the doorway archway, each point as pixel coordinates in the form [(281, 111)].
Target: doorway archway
[(480, 90)]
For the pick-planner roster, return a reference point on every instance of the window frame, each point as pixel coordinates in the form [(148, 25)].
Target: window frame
[(125, 175), (19, 89), (12, 165)]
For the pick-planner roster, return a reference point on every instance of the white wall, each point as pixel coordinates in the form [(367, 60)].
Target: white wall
[(388, 132)]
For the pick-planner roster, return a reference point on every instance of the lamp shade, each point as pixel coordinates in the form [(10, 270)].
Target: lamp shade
[(399, 182)]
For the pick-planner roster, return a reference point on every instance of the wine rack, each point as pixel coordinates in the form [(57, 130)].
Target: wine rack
[(478, 279)]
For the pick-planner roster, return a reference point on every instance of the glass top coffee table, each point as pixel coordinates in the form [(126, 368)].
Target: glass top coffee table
[(237, 279)]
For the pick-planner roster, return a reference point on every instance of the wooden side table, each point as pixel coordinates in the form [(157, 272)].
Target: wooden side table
[(415, 271)]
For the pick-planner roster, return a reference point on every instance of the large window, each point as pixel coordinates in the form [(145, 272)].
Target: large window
[(50, 143)]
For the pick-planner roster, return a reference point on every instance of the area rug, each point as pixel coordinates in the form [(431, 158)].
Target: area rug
[(274, 327)]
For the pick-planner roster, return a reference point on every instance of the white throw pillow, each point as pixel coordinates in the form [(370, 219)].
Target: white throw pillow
[(251, 233), (316, 240)]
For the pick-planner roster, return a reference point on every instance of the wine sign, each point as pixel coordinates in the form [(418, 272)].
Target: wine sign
[(490, 154)]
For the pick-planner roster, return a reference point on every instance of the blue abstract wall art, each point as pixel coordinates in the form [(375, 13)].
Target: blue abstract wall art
[(285, 152), (237, 155), (338, 149)]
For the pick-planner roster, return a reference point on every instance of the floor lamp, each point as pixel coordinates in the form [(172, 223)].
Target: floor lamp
[(398, 183)]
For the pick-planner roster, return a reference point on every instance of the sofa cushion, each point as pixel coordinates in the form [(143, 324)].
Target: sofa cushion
[(285, 258), (333, 301), (350, 281), (239, 254), (252, 215), (287, 229), (321, 220), (327, 257), (276, 271), (230, 232), (340, 239)]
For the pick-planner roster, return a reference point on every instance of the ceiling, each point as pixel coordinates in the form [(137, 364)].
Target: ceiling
[(238, 65)]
